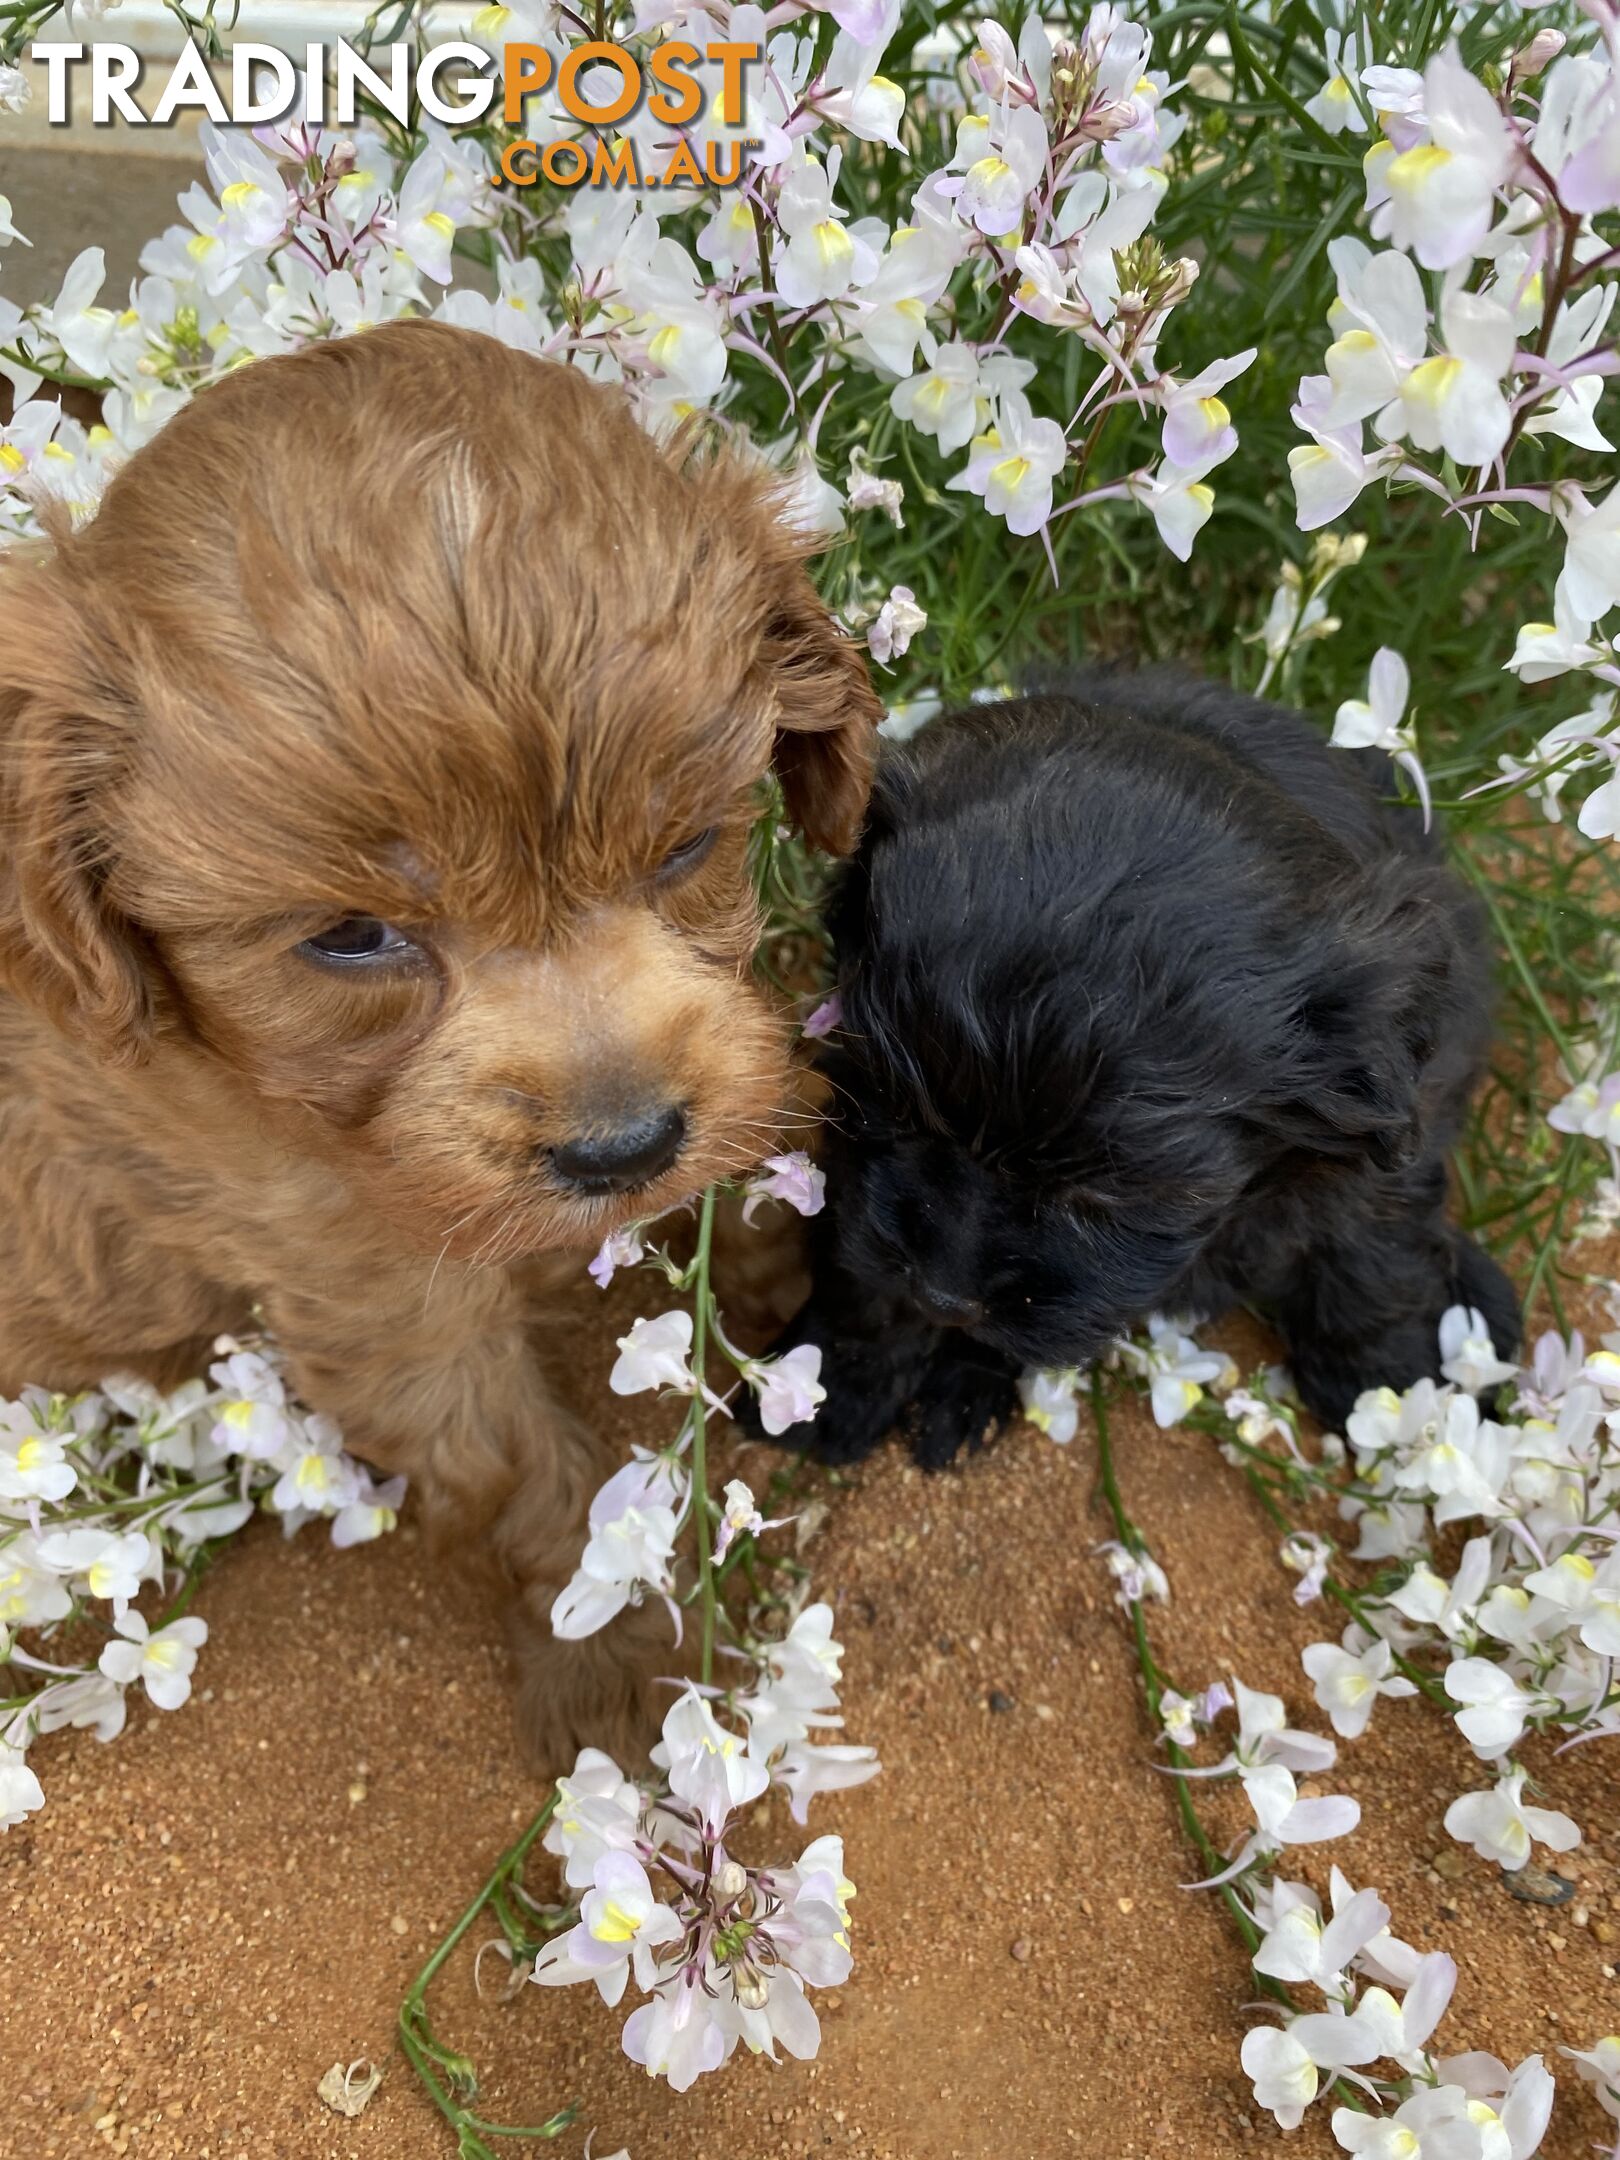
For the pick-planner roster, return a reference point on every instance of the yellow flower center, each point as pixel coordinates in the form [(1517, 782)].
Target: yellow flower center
[(1431, 381), (614, 1925), (1419, 166), (833, 245)]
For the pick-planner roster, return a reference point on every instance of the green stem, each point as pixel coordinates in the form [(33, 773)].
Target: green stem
[(701, 1509), (423, 2052)]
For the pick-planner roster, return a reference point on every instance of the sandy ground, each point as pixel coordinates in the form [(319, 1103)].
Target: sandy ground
[(215, 1909)]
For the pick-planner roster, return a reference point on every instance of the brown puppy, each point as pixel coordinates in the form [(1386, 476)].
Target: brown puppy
[(376, 772)]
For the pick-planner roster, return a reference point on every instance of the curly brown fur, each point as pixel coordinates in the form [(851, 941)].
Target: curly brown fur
[(420, 631)]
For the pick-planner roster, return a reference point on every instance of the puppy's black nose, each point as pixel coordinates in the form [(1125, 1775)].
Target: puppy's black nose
[(945, 1308), (617, 1157)]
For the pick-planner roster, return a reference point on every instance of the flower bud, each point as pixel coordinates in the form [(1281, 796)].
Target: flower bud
[(752, 1992), (729, 1882), (1183, 277), (1544, 46)]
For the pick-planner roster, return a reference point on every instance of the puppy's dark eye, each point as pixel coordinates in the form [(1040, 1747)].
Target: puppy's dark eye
[(681, 861), (358, 939)]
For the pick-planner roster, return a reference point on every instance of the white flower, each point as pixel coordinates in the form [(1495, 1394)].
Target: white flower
[(8, 231), (372, 1513), (1014, 465), (1375, 721), (1334, 107), (1176, 1716), (1198, 428), (1469, 1355), (1462, 1459), (598, 1810), (1592, 1107), (15, 92), (633, 1521), (1599, 817), (793, 1179), (1543, 650), (1584, 1591), (1330, 472), (1138, 1575), (944, 400), (425, 228), (1433, 1602), (1501, 1826), (789, 1387), (707, 1766), (1442, 191), (1283, 2073), (803, 1771), (1479, 2111), (1495, 1706), (1299, 1946), (824, 258), (31, 1593), (1051, 1402), (898, 621), (1453, 400), (254, 201), (1176, 1367), (1600, 2067), (111, 1566), (253, 1419), (675, 2035), (1380, 321), (320, 1479), (800, 1684), (1180, 502), (1589, 584), (620, 1248), (856, 96), (915, 271), (163, 1662), (20, 1793), (739, 1517), (1347, 1683), (1006, 161), (810, 504), (654, 1355), (1308, 1556), (867, 490), (1284, 2065), (621, 1923), (33, 1464), (90, 1702)]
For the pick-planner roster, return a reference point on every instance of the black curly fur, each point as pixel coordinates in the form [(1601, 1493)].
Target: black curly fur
[(1152, 1001)]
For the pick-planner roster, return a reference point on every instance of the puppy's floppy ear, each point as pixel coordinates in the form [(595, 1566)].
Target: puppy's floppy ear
[(1390, 986), (827, 712), (63, 947)]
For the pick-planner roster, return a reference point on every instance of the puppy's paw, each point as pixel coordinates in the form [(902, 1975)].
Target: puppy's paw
[(868, 1384), (761, 1268), (610, 1691), (1333, 1366), (1477, 1281), (965, 1395)]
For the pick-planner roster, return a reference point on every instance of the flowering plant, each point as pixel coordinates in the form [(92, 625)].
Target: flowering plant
[(1022, 306)]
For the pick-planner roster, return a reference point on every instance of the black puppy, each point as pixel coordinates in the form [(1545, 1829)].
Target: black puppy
[(1151, 1002)]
